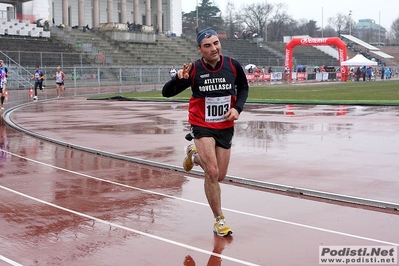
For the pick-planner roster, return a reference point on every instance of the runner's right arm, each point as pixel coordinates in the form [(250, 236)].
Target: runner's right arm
[(176, 85)]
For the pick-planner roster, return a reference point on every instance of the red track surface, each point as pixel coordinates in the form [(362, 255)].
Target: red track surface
[(62, 206)]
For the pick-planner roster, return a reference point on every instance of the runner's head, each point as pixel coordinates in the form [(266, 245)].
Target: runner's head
[(205, 34), (209, 46)]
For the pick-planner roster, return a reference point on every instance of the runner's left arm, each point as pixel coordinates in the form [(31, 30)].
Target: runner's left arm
[(241, 83)]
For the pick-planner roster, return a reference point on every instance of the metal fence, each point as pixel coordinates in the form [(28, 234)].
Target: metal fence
[(84, 81), (86, 76)]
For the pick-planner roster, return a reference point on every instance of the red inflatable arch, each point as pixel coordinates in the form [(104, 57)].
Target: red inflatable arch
[(307, 41)]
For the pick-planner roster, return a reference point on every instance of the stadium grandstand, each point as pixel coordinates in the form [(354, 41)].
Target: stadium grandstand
[(68, 34)]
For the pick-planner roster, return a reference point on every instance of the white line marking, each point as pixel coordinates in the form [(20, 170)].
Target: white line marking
[(130, 229), (11, 262), (205, 204)]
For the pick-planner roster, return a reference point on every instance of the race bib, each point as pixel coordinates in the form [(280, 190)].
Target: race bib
[(216, 108)]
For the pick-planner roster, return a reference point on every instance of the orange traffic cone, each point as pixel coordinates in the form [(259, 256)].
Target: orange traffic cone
[(31, 92), (289, 111), (341, 111)]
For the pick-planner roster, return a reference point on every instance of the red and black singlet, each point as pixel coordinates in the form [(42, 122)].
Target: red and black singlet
[(214, 93)]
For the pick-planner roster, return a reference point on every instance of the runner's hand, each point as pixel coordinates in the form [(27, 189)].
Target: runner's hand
[(232, 114), (184, 73)]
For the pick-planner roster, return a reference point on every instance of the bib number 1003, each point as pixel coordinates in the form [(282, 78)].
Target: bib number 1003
[(216, 108)]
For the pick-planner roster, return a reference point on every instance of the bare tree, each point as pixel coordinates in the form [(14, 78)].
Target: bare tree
[(255, 17), (340, 22), (329, 31), (305, 27), (395, 29), (281, 24), (231, 20)]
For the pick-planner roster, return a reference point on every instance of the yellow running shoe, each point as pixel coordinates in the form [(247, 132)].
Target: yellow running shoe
[(221, 228), (188, 163)]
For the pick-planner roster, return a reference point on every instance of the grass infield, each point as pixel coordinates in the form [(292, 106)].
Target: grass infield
[(358, 93)]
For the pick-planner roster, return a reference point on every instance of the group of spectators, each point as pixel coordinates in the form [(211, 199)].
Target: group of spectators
[(256, 70), (369, 73), (138, 27)]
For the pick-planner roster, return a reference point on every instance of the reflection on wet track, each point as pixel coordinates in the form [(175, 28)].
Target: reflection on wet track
[(62, 206)]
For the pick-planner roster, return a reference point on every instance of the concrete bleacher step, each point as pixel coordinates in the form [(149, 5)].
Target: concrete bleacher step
[(165, 51), (16, 27), (28, 51)]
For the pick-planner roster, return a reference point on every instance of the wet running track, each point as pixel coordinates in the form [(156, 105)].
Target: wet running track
[(65, 205)]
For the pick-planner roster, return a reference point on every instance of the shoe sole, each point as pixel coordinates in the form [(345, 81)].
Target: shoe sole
[(229, 233), (192, 164)]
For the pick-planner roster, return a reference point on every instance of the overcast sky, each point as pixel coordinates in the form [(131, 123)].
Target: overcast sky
[(384, 12)]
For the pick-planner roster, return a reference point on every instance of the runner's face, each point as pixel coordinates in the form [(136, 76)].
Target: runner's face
[(210, 49)]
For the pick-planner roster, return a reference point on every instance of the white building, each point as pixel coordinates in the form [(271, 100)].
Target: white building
[(166, 14)]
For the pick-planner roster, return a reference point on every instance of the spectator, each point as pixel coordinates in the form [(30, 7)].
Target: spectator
[(257, 74), (244, 34), (388, 73), (364, 72), (369, 73), (358, 72), (101, 57), (172, 72), (46, 25), (287, 73)]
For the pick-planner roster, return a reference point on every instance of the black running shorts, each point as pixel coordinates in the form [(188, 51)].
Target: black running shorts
[(222, 137), (38, 85)]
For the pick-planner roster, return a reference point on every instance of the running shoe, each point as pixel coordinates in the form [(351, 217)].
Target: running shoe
[(188, 163), (1, 107), (221, 228)]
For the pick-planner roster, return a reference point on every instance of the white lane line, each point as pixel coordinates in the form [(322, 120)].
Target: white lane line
[(11, 262), (169, 241), (205, 204)]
